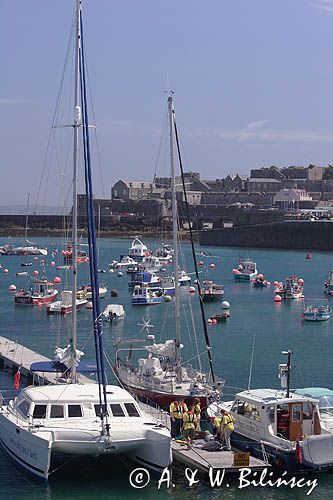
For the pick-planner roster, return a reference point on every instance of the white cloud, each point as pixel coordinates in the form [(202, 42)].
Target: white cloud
[(324, 4)]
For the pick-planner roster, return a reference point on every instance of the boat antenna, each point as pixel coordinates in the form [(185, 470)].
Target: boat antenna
[(208, 346), (251, 365), (288, 353)]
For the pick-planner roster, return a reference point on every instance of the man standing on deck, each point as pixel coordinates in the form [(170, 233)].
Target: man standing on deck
[(177, 410), (227, 428)]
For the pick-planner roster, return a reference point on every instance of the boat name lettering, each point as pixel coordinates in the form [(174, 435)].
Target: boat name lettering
[(23, 449), (140, 478)]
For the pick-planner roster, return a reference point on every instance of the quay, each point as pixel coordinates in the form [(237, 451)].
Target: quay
[(14, 355), (203, 460)]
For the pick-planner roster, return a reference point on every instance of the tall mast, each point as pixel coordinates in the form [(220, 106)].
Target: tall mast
[(26, 219), (76, 125), (174, 229)]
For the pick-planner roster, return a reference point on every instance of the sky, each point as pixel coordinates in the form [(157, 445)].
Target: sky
[(253, 83)]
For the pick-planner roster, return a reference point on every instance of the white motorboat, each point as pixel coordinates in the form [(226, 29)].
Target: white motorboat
[(85, 292), (325, 398), (114, 312), (65, 304), (280, 426), (138, 250), (150, 264), (316, 311), (246, 270), (124, 263), (144, 295)]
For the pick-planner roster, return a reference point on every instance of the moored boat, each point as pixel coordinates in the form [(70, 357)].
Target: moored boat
[(246, 270), (40, 292), (291, 289), (146, 296), (316, 312), (210, 291)]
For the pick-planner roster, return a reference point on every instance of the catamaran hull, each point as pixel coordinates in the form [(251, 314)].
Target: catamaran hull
[(27, 449)]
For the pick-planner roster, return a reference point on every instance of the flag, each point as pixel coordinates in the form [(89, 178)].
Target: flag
[(17, 377)]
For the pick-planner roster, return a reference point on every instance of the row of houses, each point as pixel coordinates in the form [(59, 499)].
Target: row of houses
[(286, 188)]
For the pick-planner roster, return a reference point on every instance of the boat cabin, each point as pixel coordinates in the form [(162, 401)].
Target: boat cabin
[(288, 418), (58, 402)]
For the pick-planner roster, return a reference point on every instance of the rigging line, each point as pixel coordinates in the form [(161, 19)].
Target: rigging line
[(55, 113), (194, 256), (163, 132)]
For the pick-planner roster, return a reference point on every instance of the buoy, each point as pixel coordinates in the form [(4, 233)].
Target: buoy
[(57, 280), (89, 305), (300, 281), (35, 258), (225, 304), (167, 298), (52, 263), (275, 283), (111, 270), (119, 274), (209, 321), (277, 298), (214, 321), (252, 280), (191, 289), (12, 288), (212, 266), (260, 276), (114, 292), (234, 271), (42, 262), (200, 263), (35, 273), (5, 271), (267, 282)]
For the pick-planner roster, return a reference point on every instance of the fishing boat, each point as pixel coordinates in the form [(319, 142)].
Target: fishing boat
[(291, 289), (73, 419), (151, 264), (40, 292), (144, 278), (160, 374), (246, 270), (210, 291), (138, 250), (316, 311), (279, 425), (329, 283), (113, 313), (143, 295), (164, 253)]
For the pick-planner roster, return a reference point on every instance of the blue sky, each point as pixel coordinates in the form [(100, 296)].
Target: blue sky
[(253, 82)]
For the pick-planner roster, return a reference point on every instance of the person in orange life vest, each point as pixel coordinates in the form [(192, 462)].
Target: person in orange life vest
[(177, 409), (227, 428), (190, 423), (196, 409)]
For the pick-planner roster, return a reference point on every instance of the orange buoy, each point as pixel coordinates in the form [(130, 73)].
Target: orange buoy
[(191, 289), (5, 271), (57, 280), (35, 273), (212, 266), (277, 298), (12, 288), (209, 321), (52, 263)]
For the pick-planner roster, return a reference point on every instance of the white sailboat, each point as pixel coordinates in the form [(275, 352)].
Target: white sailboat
[(74, 418), (160, 376)]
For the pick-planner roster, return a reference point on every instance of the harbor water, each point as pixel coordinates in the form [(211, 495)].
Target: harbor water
[(253, 314)]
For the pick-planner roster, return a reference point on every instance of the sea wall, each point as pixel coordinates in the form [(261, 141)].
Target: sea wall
[(287, 235)]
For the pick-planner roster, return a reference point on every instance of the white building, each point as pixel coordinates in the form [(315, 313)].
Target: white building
[(289, 199)]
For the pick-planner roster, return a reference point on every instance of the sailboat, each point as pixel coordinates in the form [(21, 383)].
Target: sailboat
[(29, 248), (72, 418), (160, 376)]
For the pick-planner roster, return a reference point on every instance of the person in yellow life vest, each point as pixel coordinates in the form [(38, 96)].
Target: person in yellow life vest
[(190, 423), (196, 409), (177, 409), (227, 428), (216, 421)]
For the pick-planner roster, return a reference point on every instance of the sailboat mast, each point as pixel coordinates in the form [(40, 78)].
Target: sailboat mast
[(77, 124), (27, 218), (174, 229)]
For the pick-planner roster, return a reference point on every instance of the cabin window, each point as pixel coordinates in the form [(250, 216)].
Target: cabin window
[(97, 410), (24, 408), (39, 411), (307, 411), (296, 413), (57, 411), (271, 414), (131, 410), (117, 410), (74, 411)]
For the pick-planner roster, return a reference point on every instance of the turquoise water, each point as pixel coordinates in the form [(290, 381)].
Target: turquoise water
[(253, 312)]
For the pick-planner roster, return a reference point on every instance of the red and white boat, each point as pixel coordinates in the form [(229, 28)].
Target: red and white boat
[(40, 292), (64, 305)]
